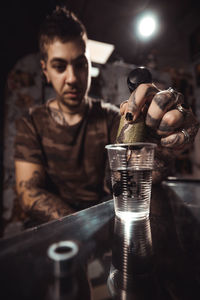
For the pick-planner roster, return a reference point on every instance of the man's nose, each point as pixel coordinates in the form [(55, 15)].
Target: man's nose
[(71, 76)]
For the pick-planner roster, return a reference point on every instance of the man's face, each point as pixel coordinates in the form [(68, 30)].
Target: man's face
[(67, 68)]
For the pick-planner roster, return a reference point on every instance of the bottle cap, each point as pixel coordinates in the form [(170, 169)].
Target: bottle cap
[(138, 76)]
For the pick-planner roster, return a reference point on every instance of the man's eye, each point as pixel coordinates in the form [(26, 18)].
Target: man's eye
[(59, 68)]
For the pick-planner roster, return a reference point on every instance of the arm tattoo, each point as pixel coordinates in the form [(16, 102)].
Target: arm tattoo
[(48, 206), (35, 181), (40, 203)]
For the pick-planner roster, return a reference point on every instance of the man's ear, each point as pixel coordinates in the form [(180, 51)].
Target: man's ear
[(44, 70)]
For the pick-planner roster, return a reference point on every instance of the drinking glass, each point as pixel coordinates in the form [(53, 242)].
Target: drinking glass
[(131, 168)]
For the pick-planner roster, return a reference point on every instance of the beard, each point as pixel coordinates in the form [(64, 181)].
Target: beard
[(72, 105)]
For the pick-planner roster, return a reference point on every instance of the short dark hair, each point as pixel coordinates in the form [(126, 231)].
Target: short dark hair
[(62, 24)]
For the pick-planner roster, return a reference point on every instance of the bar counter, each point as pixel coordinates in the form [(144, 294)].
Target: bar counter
[(155, 258)]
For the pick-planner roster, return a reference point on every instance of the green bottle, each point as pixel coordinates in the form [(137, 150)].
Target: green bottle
[(131, 133)]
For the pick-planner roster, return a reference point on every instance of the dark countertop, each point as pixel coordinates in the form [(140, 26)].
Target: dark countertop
[(156, 258)]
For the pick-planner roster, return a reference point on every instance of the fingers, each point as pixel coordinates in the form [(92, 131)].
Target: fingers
[(152, 103), (185, 135), (123, 106), (175, 140), (141, 96), (160, 104), (170, 122)]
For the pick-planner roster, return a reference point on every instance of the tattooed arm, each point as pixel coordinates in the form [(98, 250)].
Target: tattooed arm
[(35, 200)]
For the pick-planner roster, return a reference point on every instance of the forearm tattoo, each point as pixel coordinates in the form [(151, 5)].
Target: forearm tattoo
[(38, 202), (34, 181)]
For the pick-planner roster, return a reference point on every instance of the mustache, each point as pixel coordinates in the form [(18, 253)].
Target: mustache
[(73, 89)]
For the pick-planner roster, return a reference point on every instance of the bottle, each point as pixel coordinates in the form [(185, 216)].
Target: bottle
[(130, 133)]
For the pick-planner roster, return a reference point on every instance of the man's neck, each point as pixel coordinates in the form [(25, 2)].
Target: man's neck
[(71, 116)]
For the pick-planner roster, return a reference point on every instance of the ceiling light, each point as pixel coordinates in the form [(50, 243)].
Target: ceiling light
[(100, 52), (147, 25)]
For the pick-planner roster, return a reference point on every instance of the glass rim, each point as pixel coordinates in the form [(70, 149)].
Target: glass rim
[(125, 145)]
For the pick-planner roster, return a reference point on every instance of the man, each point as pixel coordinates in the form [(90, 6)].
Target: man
[(60, 155)]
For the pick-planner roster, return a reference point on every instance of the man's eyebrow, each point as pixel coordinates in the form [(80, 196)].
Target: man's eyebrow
[(57, 59), (61, 60)]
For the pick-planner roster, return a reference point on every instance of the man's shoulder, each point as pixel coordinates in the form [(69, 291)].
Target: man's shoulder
[(34, 114), (35, 111), (38, 109)]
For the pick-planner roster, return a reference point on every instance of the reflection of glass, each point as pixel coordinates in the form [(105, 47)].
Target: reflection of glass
[(131, 173), (132, 258)]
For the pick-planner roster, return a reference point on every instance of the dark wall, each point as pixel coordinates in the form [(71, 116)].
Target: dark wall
[(19, 23)]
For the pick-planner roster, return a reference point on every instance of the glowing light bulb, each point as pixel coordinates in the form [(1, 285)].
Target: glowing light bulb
[(147, 26)]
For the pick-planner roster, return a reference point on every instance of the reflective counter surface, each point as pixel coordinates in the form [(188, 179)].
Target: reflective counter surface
[(155, 258)]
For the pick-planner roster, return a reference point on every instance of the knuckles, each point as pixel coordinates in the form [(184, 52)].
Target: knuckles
[(170, 119)]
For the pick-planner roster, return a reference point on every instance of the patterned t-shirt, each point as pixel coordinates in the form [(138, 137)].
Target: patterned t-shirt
[(74, 157)]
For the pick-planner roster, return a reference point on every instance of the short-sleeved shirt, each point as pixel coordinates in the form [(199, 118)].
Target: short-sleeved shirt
[(73, 157)]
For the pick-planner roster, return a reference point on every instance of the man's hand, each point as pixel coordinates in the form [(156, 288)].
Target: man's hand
[(169, 121)]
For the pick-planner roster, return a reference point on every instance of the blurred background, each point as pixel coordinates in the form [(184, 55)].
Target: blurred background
[(172, 53)]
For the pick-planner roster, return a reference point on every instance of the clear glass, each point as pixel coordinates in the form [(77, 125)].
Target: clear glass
[(131, 175)]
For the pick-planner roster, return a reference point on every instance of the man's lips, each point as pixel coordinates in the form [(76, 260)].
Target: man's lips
[(71, 94), (72, 91)]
